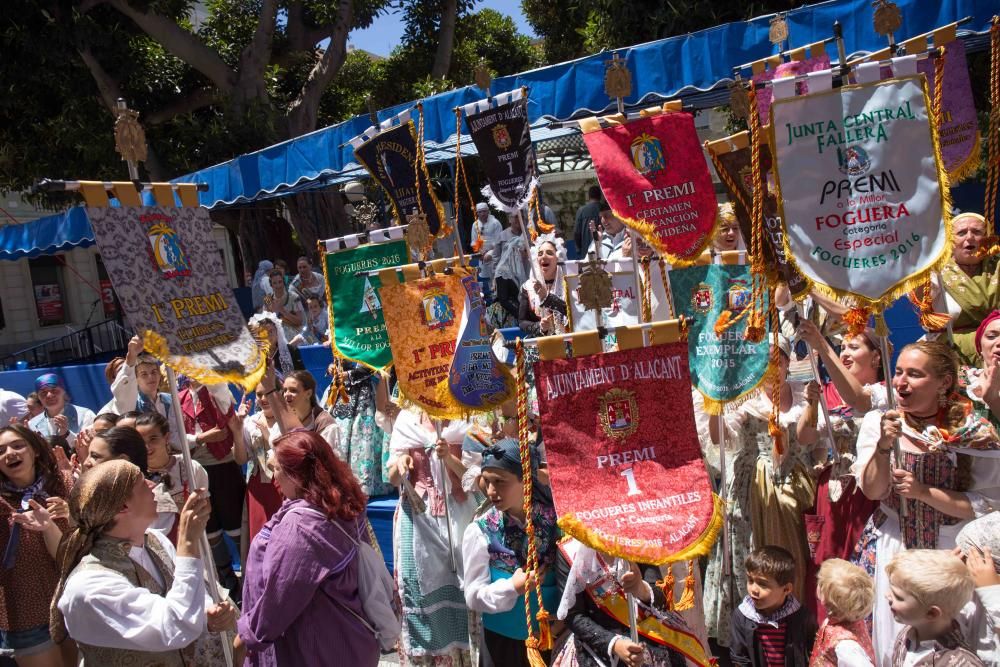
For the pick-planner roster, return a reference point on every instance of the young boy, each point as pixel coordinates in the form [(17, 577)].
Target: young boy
[(928, 588), (771, 628)]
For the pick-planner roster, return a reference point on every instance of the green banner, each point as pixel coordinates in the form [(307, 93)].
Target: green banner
[(727, 368), (355, 308)]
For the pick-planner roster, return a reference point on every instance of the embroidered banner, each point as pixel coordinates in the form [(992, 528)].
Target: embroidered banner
[(791, 68), (168, 275), (728, 368), (391, 159), (477, 379), (859, 179), (959, 128), (655, 178), (606, 427), (422, 317), (731, 157), (502, 137), (355, 308)]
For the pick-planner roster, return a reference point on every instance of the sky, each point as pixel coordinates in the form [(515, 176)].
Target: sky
[(383, 36)]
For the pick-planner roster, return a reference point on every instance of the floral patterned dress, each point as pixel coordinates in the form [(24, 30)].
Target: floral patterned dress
[(362, 443), (765, 506)]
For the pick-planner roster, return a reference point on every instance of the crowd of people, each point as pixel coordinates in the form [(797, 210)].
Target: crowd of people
[(835, 553)]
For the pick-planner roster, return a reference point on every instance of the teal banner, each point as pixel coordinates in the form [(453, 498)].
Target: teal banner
[(355, 308), (727, 368)]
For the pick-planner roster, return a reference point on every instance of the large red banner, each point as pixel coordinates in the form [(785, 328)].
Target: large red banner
[(655, 178), (625, 465)]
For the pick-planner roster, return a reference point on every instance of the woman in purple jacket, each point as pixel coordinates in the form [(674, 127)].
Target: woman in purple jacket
[(300, 597)]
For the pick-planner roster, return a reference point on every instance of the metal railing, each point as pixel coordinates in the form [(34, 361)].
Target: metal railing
[(90, 344)]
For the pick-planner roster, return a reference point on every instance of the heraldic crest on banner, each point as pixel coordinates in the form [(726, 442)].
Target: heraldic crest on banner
[(862, 188), (619, 413)]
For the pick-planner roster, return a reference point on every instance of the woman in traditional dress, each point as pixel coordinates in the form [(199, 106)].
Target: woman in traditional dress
[(949, 471), (436, 621), (542, 302), (30, 479), (302, 604), (251, 447), (767, 494), (259, 284), (308, 284), (267, 327), (299, 392), (983, 384), (971, 284), (857, 386), (361, 440), (513, 268)]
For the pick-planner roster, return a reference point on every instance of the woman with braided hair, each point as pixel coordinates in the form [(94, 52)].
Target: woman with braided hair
[(124, 595), (936, 479)]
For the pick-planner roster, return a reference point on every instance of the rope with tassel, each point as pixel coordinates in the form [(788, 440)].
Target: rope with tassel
[(777, 380), (460, 173), (646, 293), (993, 145), (543, 642)]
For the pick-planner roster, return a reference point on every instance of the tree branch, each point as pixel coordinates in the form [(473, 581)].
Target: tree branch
[(446, 40), (198, 99), (303, 110), (107, 86), (181, 43), (257, 54), (296, 27)]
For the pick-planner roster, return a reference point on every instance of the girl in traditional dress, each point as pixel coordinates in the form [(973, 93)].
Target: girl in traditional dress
[(495, 553), (766, 495), (361, 440), (299, 391), (542, 305), (949, 471), (251, 447), (167, 472), (436, 621), (856, 387)]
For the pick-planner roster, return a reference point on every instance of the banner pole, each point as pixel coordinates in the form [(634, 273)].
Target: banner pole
[(447, 511), (891, 400), (633, 625), (211, 574), (727, 569), (822, 396), (633, 239)]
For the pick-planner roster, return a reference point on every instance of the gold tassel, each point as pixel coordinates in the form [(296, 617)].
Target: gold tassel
[(544, 631), (989, 247), (881, 328), (687, 598), (755, 327), (477, 245), (534, 655), (667, 586), (929, 319)]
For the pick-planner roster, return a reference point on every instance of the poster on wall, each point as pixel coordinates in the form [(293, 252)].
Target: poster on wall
[(49, 304)]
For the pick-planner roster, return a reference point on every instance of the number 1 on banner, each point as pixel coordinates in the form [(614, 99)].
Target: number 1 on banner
[(633, 488)]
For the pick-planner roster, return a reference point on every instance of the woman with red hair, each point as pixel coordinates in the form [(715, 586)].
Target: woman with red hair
[(301, 601)]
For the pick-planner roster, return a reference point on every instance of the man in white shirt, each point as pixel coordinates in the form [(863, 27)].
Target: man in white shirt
[(124, 595), (486, 232), (613, 236)]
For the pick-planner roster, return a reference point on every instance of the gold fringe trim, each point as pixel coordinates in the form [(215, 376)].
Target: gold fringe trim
[(157, 345), (914, 280), (700, 546), (970, 165)]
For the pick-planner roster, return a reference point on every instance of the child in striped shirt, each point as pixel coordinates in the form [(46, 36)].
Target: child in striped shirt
[(771, 628)]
